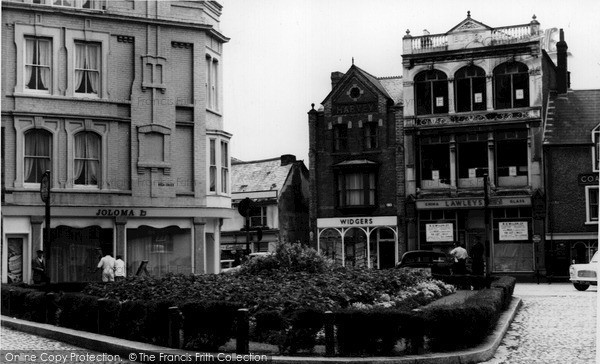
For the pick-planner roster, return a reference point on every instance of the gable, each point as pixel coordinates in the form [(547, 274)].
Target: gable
[(469, 25), (353, 97)]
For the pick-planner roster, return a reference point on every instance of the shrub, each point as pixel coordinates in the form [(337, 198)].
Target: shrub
[(208, 325), (133, 318), (289, 257), (14, 296), (157, 321), (507, 284), (78, 311), (34, 306), (108, 317)]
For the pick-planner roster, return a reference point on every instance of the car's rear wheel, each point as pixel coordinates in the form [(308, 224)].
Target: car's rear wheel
[(581, 286)]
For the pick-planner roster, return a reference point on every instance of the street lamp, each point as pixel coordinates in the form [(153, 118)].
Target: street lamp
[(482, 172), (45, 195)]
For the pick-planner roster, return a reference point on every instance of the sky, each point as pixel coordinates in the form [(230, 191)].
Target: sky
[(282, 52)]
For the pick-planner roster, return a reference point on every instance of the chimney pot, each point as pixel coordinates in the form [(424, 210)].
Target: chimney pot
[(287, 159)]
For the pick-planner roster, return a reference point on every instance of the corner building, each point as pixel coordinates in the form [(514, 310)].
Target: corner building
[(356, 196), (474, 103), (121, 102)]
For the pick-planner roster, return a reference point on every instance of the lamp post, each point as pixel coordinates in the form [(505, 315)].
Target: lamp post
[(486, 216), (45, 195)]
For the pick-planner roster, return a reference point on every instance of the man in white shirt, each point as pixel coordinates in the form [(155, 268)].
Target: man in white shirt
[(107, 264), (460, 259), (119, 268)]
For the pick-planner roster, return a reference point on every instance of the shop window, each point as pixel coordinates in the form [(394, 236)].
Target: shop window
[(38, 146), (442, 229), (355, 189), (87, 158), (431, 92), (166, 250), (340, 137), (87, 68), (591, 199), (38, 64), (472, 159), (14, 265), (470, 85), (258, 216), (511, 85), (596, 149), (435, 162), (213, 166), (511, 158), (371, 135)]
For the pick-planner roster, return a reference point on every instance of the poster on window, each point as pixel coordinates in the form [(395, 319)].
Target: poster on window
[(512, 171), (435, 174), (439, 101), (15, 260), (439, 232), (478, 97), (519, 94), (472, 172), (512, 230)]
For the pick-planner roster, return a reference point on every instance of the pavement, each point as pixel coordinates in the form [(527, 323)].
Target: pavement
[(36, 335)]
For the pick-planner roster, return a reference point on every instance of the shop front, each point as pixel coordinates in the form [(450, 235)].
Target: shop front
[(508, 230), (153, 241), (368, 241), (565, 249)]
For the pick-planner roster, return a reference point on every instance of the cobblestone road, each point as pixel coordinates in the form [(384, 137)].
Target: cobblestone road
[(16, 342), (555, 325)]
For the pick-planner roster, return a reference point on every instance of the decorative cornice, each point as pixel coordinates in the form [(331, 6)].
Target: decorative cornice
[(485, 117)]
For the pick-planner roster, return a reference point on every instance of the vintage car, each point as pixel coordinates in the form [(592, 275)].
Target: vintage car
[(434, 262), (584, 275)]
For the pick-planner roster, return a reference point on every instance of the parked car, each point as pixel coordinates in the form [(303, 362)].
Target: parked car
[(584, 275), (434, 262)]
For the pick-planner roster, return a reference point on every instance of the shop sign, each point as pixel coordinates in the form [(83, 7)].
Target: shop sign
[(588, 179), (455, 203), (439, 232), (120, 212), (512, 230), (341, 109), (362, 221)]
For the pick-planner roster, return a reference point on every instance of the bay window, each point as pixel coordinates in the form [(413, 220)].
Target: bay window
[(224, 167), (355, 189)]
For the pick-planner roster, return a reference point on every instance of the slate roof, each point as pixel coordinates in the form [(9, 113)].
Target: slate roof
[(393, 86), (260, 175), (574, 117)]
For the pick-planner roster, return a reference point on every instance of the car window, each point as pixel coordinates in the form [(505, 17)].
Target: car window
[(595, 258)]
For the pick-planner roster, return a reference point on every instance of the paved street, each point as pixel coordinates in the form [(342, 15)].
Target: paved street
[(555, 325), (19, 342)]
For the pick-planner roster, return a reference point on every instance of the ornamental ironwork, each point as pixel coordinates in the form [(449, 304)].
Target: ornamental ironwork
[(474, 118)]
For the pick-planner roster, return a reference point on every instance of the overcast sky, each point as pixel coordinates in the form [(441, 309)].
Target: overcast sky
[(281, 54)]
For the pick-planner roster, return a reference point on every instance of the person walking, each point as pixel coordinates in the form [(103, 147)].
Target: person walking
[(119, 268), (460, 258), (107, 264), (38, 265)]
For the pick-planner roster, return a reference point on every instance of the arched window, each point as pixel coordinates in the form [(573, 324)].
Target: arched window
[(38, 144), (511, 85), (87, 158), (469, 83), (431, 92)]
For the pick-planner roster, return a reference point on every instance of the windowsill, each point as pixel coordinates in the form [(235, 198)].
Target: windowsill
[(71, 190), (71, 98), (218, 113), (90, 96), (86, 187), (591, 223)]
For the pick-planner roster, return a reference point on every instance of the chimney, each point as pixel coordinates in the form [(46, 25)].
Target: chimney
[(287, 159), (335, 78), (562, 75)]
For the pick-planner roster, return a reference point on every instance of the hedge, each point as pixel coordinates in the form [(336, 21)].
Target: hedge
[(208, 325), (78, 311), (507, 284)]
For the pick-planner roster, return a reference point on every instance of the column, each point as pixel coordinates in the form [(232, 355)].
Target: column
[(453, 163), (491, 159), (489, 91), (199, 244), (451, 96), (37, 240), (120, 244)]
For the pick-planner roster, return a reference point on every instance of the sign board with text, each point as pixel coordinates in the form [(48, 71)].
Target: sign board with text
[(439, 232), (512, 230)]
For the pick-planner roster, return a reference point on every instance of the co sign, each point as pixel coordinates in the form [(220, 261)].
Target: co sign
[(588, 179)]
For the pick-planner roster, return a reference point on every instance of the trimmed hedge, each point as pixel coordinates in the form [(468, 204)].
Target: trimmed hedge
[(507, 284), (208, 325), (465, 281), (78, 311)]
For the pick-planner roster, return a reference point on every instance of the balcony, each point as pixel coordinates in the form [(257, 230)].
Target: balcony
[(472, 118)]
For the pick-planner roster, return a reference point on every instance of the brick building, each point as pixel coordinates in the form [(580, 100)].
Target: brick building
[(475, 99), (571, 158), (356, 194), (279, 190), (121, 102)]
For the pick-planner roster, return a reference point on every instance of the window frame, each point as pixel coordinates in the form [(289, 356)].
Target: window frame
[(99, 5), (50, 135), (440, 141), (86, 160), (74, 37), (589, 219), (262, 216), (426, 85), (596, 149), (213, 82), (367, 188), (212, 162), (371, 135), (222, 142), (458, 78), (225, 161), (87, 70), (503, 71), (340, 142), (22, 32)]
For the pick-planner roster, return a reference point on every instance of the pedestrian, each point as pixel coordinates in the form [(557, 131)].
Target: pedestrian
[(477, 252), (107, 264), (38, 265), (460, 259), (119, 268)]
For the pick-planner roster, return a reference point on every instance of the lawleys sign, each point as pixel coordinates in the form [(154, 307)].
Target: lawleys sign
[(357, 221)]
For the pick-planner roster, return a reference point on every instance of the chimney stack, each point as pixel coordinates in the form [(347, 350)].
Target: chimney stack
[(562, 74), (335, 78), (287, 159)]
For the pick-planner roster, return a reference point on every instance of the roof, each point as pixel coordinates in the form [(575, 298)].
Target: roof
[(574, 117), (260, 175), (393, 86)]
